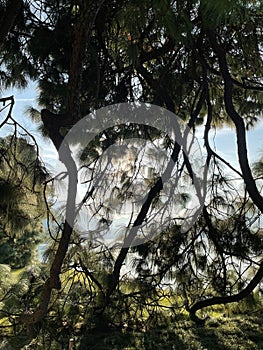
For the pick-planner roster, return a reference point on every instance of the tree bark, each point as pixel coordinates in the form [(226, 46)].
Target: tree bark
[(238, 121), (154, 191), (246, 174), (227, 299), (52, 124)]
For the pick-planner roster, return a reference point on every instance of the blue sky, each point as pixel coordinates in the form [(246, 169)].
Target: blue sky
[(23, 99), (224, 141)]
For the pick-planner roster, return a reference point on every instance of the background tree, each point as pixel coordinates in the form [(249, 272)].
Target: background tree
[(21, 201)]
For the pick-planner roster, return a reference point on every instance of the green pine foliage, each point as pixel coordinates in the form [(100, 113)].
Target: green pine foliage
[(164, 53)]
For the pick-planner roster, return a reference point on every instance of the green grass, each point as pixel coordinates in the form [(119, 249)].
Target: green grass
[(239, 332), (236, 333)]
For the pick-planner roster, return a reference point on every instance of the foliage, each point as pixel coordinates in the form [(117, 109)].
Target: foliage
[(201, 60), (222, 333), (21, 209), (243, 331)]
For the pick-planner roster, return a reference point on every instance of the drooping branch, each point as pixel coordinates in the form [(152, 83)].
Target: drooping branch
[(154, 191), (11, 104), (238, 121), (246, 174), (227, 299)]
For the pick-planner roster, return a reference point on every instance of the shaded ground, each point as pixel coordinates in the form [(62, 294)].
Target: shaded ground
[(237, 333)]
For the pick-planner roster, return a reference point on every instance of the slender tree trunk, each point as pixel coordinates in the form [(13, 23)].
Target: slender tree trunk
[(246, 173), (87, 14)]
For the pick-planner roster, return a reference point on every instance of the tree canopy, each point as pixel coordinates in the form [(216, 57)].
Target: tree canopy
[(199, 60)]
